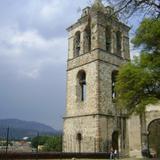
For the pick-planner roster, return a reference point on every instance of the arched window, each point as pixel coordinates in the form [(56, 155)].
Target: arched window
[(114, 76), (87, 39), (108, 39), (81, 85), (79, 136), (77, 47), (118, 42), (79, 139)]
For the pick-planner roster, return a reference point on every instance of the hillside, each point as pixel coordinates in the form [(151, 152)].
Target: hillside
[(19, 128)]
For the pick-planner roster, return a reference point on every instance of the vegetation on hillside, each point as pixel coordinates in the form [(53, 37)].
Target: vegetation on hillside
[(19, 129)]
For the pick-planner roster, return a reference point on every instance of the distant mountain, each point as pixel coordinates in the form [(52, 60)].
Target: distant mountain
[(19, 128)]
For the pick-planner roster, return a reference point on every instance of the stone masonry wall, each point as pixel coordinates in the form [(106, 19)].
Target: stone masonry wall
[(93, 118), (134, 133), (79, 114), (90, 105), (72, 126)]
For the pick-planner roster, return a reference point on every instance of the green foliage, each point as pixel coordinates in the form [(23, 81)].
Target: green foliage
[(148, 35), (39, 140), (53, 144), (50, 143), (138, 81)]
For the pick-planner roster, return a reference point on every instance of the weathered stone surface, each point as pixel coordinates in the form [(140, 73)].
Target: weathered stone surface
[(95, 119), (134, 132), (94, 124)]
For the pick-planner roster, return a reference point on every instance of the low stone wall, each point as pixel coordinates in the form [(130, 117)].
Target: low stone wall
[(52, 156)]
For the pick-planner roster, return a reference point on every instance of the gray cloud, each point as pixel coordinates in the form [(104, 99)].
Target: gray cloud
[(33, 53)]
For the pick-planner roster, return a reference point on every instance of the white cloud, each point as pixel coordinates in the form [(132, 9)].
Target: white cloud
[(30, 51), (33, 51), (32, 41), (133, 51), (50, 10), (33, 73)]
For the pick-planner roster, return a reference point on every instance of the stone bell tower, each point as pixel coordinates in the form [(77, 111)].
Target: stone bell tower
[(98, 44)]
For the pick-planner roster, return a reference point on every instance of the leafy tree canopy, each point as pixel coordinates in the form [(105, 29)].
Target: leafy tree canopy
[(148, 35), (138, 81), (39, 140), (50, 143), (53, 144)]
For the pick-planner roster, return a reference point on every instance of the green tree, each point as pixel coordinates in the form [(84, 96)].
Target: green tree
[(39, 140), (53, 144), (148, 35), (50, 143), (138, 81)]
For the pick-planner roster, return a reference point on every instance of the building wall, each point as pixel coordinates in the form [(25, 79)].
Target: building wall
[(134, 133), (80, 115), (96, 117), (107, 126), (106, 66), (138, 128), (152, 113), (74, 105), (72, 126)]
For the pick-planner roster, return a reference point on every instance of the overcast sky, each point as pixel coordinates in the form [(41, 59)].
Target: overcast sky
[(33, 53)]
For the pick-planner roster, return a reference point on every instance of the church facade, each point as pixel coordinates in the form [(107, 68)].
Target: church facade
[(98, 45)]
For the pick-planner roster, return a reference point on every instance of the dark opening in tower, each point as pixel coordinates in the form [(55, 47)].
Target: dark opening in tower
[(114, 76), (77, 47), (82, 85)]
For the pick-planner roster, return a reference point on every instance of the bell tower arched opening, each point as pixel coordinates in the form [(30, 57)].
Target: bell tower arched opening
[(81, 86), (77, 43), (114, 76), (87, 39), (108, 39)]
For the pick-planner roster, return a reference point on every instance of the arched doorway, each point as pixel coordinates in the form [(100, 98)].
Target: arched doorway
[(154, 138), (115, 136)]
